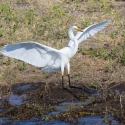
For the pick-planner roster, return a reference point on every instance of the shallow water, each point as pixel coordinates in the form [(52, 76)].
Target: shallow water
[(22, 87), (15, 99), (65, 106), (6, 121), (96, 120), (62, 107), (88, 120)]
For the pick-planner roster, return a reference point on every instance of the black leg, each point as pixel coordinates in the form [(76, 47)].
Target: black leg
[(85, 90), (62, 82), (71, 85), (68, 89)]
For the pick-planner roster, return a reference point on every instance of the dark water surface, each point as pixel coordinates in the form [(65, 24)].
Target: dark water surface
[(88, 120), (15, 99)]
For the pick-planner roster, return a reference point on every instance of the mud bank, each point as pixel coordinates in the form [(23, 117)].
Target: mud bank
[(32, 103)]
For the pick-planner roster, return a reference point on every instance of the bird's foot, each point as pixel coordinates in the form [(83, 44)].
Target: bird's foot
[(72, 93), (85, 90), (76, 87)]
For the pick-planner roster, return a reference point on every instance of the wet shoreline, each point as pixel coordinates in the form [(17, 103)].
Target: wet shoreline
[(32, 104)]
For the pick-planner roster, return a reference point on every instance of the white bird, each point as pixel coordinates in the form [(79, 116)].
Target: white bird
[(52, 59)]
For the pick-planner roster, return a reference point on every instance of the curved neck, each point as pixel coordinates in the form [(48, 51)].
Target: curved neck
[(70, 33), (75, 46)]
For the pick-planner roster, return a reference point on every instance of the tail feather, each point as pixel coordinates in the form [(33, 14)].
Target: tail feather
[(49, 69)]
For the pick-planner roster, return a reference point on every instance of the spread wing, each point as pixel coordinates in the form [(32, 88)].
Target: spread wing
[(89, 31), (33, 53)]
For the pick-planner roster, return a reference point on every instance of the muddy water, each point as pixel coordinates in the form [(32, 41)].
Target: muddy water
[(97, 120), (88, 120), (65, 106), (16, 99)]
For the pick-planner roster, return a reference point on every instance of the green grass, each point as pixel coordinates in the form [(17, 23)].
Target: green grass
[(48, 24), (51, 25), (116, 53)]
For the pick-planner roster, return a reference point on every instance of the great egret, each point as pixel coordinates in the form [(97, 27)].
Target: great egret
[(52, 59)]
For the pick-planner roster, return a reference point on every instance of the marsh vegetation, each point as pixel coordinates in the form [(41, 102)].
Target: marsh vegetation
[(98, 66)]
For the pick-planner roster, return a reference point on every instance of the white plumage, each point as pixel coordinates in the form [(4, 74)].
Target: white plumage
[(88, 31), (51, 59)]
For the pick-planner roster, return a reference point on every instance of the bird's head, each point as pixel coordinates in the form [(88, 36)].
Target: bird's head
[(75, 28), (71, 32)]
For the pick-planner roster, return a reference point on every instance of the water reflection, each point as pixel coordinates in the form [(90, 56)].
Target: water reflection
[(96, 120), (88, 120), (16, 99)]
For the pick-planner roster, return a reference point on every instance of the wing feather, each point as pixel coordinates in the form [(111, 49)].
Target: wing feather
[(31, 52), (89, 31)]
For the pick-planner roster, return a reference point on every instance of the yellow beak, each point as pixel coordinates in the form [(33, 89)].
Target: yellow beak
[(78, 29)]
